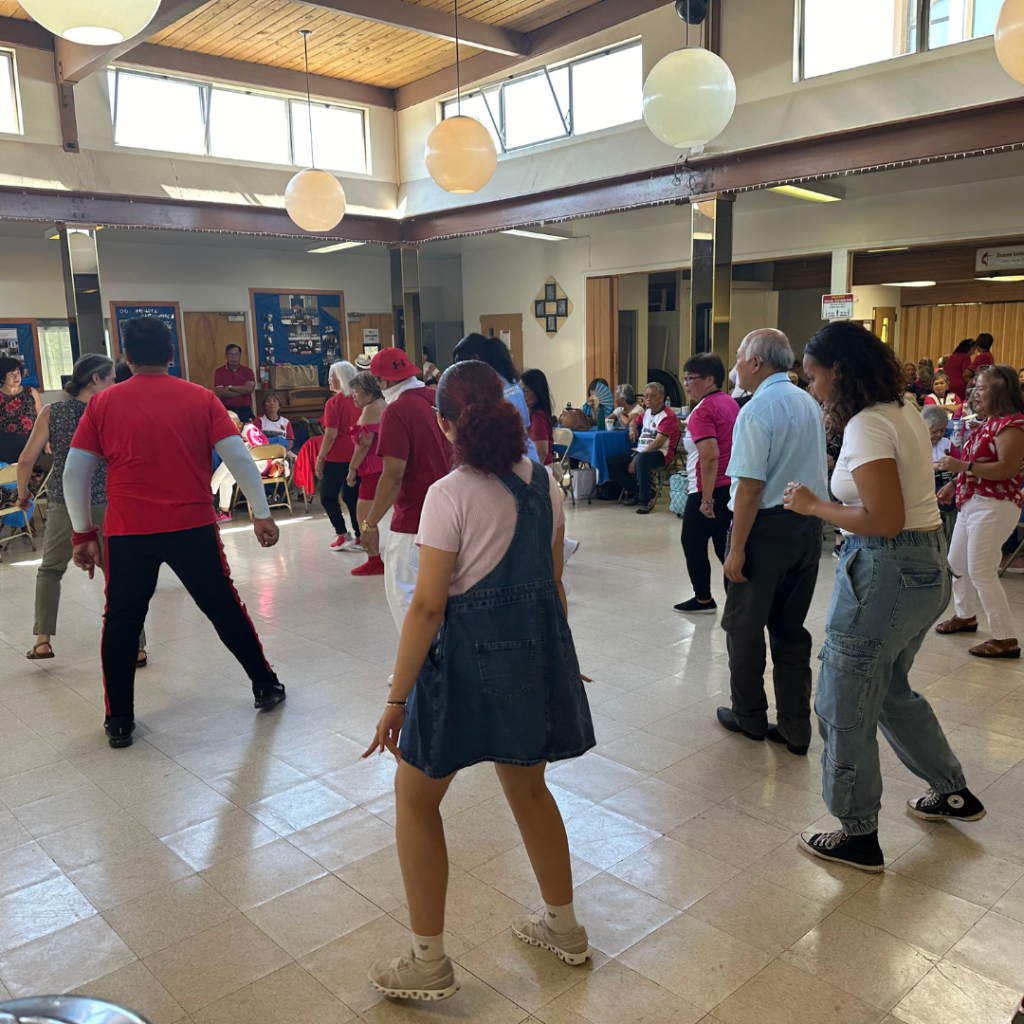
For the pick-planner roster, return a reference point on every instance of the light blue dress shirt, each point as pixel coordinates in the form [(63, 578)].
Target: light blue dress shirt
[(779, 436)]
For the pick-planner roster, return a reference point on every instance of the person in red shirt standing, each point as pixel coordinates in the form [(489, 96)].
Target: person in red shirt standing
[(159, 510), (341, 414), (415, 454), (234, 384)]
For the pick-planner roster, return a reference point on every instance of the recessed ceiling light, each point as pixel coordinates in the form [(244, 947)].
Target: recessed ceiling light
[(536, 234), (909, 284), (802, 192), (1005, 277), (336, 247)]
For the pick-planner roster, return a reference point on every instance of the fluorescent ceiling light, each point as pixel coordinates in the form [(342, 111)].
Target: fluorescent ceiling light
[(1005, 277), (536, 234), (336, 247), (892, 248), (909, 284), (812, 195)]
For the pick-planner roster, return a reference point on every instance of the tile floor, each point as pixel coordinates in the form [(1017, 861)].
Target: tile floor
[(231, 865)]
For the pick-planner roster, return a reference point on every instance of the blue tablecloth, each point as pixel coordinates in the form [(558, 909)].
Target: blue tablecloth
[(594, 446)]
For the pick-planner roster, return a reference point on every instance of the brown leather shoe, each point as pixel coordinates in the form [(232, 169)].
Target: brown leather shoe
[(997, 649), (958, 625)]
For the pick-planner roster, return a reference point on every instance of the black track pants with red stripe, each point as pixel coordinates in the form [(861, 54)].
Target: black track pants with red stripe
[(197, 558)]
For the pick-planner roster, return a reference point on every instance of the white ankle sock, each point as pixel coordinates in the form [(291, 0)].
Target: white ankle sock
[(561, 920), (428, 947)]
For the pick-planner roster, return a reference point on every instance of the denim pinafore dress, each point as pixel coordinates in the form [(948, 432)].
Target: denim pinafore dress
[(501, 681)]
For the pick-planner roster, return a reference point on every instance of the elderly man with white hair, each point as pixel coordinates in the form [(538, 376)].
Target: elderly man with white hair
[(772, 562)]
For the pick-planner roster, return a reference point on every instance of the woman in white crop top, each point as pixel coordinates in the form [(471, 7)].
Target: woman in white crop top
[(892, 583)]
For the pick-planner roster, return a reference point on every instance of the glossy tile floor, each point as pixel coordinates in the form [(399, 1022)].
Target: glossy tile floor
[(232, 866)]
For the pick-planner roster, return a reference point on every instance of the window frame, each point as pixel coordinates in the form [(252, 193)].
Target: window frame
[(545, 69), (19, 121), (206, 88)]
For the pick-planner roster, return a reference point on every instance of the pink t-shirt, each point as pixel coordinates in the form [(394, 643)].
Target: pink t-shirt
[(473, 514), (714, 416)]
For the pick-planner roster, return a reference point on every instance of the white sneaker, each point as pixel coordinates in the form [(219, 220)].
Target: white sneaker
[(573, 947), (408, 977), (569, 548)]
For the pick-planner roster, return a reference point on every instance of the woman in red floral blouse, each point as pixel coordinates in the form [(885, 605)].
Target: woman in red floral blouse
[(19, 407), (988, 496)]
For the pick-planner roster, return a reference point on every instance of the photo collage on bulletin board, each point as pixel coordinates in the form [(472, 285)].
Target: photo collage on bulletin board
[(19, 340), (551, 307), (168, 312), (302, 328)]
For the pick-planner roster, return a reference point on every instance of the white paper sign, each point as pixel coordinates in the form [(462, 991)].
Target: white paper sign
[(837, 307), (506, 337), (1008, 257), (371, 336)]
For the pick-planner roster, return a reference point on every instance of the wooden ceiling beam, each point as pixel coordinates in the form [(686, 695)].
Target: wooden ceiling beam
[(18, 32)]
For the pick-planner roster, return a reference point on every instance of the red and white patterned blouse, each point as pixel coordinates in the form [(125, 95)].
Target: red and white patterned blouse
[(980, 447)]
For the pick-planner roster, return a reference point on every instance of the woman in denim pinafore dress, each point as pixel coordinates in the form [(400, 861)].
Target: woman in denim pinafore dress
[(486, 674)]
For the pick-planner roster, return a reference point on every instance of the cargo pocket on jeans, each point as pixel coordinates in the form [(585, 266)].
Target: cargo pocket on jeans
[(508, 667), (847, 665), (837, 786)]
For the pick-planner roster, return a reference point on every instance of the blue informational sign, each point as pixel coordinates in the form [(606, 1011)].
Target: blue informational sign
[(166, 311), (18, 340), (296, 327)]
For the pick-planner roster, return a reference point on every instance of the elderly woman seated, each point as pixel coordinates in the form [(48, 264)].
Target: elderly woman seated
[(222, 483), (936, 419), (627, 410)]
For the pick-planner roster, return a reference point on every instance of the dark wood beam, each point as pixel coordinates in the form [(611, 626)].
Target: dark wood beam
[(260, 76), (564, 32), (16, 32)]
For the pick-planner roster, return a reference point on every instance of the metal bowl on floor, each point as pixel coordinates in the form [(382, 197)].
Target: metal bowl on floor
[(66, 1010)]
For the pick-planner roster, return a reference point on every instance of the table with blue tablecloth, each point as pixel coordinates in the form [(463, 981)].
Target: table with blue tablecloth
[(594, 446)]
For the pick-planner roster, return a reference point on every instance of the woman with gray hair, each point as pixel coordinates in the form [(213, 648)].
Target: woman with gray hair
[(340, 416), (936, 420), (627, 410)]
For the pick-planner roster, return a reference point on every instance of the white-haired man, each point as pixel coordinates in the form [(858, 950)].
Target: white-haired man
[(772, 562)]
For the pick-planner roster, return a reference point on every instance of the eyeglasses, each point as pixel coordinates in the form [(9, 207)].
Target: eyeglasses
[(690, 378)]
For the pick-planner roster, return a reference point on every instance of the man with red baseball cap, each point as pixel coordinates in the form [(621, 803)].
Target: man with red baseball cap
[(415, 454)]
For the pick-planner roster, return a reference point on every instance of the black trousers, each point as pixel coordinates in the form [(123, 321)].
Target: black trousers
[(781, 567), (636, 484), (335, 484), (697, 531), (197, 559)]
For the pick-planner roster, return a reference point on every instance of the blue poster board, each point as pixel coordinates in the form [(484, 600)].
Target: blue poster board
[(296, 327), (166, 311), (18, 339)]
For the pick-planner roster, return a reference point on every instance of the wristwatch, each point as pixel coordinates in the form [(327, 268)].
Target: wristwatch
[(366, 526)]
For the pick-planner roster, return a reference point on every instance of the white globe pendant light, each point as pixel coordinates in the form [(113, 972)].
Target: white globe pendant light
[(93, 22), (313, 198), (1010, 39), (460, 153)]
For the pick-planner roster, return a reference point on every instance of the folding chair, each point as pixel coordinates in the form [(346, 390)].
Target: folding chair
[(1019, 549), (562, 438), (264, 453), (9, 481)]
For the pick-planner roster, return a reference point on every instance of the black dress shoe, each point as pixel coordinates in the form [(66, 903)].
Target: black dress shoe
[(269, 696), (119, 729), (775, 736), (728, 719)]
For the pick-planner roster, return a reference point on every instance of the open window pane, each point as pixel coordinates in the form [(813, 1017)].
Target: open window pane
[(244, 126), (337, 132), (841, 34), (157, 113), (476, 106), (953, 21), (607, 91), (8, 95), (531, 113), (55, 352)]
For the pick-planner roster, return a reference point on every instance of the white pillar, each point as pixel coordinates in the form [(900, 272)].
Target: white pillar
[(840, 271)]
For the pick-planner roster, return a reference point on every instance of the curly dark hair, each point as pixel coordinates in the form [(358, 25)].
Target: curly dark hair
[(867, 370)]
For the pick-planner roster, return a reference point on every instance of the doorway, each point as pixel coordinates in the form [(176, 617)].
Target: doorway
[(369, 330), (508, 327), (628, 343), (206, 337)]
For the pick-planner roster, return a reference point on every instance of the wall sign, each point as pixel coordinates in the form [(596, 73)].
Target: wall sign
[(837, 307), (551, 307), (169, 312), (299, 326), (1007, 257), (20, 340)]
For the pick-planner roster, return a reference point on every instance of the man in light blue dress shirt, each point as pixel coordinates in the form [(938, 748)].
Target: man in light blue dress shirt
[(772, 562)]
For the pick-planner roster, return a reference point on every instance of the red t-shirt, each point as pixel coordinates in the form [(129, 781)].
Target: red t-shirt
[(980, 447), (157, 434), (225, 377), (983, 359), (714, 416), (540, 430), (409, 431), (342, 413), (956, 363)]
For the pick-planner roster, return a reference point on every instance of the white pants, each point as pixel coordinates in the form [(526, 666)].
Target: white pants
[(974, 552), (221, 484), (401, 567)]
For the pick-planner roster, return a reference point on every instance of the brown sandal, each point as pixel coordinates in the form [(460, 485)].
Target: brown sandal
[(996, 649), (34, 654), (958, 625)]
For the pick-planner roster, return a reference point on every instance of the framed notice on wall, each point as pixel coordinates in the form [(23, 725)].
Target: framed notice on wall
[(300, 326), (20, 340), (169, 312)]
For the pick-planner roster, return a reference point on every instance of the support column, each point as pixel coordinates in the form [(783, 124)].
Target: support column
[(405, 300), (840, 271), (82, 289), (711, 275)]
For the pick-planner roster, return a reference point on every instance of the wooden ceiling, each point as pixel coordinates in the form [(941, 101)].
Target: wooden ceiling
[(266, 32)]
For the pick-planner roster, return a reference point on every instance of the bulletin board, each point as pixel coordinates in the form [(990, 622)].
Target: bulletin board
[(20, 339), (300, 326), (169, 312)]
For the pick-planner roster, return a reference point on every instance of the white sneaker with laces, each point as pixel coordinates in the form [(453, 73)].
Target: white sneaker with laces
[(572, 947), (408, 977)]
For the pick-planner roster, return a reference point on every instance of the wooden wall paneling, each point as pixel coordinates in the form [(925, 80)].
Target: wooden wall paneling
[(936, 330), (602, 328), (810, 272), (206, 337), (961, 292), (942, 263)]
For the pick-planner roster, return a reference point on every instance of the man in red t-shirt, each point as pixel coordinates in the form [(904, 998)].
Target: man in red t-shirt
[(159, 510), (415, 454), (234, 384)]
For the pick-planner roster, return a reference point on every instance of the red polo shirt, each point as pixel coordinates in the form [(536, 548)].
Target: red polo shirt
[(225, 377)]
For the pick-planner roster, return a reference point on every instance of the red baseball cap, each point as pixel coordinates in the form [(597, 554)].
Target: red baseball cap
[(392, 364)]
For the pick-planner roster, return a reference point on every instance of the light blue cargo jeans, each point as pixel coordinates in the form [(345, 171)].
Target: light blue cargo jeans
[(888, 594)]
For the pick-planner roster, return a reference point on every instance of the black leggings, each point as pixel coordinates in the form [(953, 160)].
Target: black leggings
[(335, 484), (697, 530), (197, 559)]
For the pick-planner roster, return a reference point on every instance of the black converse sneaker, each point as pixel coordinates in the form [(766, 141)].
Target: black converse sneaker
[(962, 805), (861, 852)]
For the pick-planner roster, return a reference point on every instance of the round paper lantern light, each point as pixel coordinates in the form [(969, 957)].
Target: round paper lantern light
[(93, 22), (689, 97), (1010, 39), (460, 155), (315, 200)]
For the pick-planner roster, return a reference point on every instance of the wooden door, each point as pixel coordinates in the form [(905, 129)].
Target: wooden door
[(206, 337), (357, 336), (885, 323), (602, 345), (492, 325)]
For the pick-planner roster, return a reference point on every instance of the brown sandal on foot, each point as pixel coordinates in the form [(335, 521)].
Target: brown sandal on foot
[(996, 649), (34, 654), (958, 625)]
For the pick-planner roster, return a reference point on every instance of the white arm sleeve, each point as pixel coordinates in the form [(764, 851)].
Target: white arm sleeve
[(237, 458), (79, 468)]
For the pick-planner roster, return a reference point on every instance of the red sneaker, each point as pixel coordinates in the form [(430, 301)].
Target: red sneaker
[(224, 517), (371, 567), (343, 540)]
